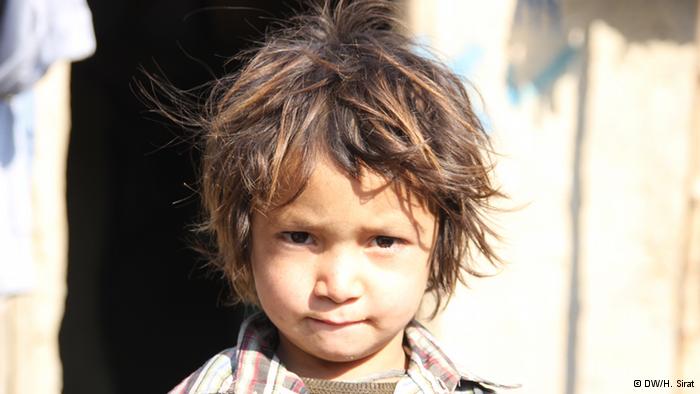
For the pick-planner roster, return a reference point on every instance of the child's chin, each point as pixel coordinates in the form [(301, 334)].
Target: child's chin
[(344, 356), (348, 352)]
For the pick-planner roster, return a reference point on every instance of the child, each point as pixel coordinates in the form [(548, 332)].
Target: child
[(344, 176)]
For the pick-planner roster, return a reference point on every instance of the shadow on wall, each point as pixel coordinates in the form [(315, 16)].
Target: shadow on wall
[(547, 36)]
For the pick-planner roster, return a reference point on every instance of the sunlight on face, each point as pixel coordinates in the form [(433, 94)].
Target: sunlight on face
[(340, 271)]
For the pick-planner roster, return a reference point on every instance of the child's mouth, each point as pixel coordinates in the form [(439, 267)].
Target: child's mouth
[(329, 323)]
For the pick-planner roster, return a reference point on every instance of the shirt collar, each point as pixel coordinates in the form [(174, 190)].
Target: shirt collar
[(428, 359)]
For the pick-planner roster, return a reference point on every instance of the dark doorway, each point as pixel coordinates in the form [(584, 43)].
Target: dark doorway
[(141, 311)]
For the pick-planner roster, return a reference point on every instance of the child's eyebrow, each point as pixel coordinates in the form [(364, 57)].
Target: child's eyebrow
[(389, 223), (295, 222)]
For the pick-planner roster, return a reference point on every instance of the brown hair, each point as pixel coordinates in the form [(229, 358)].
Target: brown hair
[(343, 80)]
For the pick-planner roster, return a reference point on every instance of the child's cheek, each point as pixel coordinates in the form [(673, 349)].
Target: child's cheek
[(282, 281)]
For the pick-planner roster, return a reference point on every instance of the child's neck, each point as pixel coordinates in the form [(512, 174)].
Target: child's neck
[(391, 357)]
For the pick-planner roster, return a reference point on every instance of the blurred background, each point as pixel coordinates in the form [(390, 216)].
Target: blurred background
[(593, 109)]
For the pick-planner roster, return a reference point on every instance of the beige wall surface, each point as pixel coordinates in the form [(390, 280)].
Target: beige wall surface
[(591, 105)]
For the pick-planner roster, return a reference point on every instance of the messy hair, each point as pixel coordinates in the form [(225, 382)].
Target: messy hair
[(345, 82)]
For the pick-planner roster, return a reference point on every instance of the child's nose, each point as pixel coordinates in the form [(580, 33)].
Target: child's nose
[(339, 276)]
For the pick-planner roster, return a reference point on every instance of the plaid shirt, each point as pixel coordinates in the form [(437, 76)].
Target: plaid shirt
[(253, 367)]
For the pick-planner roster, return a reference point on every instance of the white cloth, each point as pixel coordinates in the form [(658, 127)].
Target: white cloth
[(33, 35), (36, 33), (16, 142)]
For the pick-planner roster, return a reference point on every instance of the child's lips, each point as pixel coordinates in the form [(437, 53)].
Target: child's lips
[(335, 323)]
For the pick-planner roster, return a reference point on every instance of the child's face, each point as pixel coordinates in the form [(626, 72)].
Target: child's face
[(340, 272)]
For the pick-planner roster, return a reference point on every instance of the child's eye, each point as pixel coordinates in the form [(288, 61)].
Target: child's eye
[(297, 237), (385, 242)]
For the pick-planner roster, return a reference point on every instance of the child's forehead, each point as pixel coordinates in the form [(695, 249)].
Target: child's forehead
[(323, 171)]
